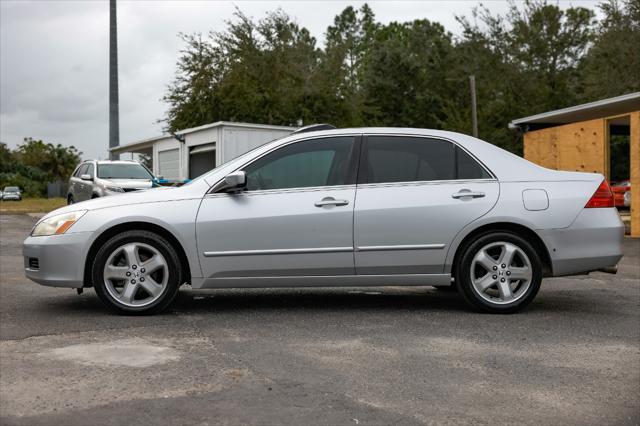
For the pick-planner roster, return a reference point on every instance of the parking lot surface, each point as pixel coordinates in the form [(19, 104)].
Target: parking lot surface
[(319, 356)]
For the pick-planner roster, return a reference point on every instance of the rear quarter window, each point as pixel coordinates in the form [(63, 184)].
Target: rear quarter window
[(468, 167)]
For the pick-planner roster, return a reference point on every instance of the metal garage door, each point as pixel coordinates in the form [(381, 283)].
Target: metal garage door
[(169, 164), (202, 158)]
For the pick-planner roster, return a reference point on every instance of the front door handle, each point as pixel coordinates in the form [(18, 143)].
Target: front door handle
[(330, 201), (466, 193)]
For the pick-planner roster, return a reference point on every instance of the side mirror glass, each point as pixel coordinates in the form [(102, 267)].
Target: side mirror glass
[(86, 177), (235, 180)]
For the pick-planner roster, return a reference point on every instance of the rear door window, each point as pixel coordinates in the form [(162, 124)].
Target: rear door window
[(391, 159)]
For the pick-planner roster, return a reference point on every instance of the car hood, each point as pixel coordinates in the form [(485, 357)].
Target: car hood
[(154, 195), (128, 183)]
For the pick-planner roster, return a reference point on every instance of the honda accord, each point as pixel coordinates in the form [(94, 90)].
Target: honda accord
[(339, 208)]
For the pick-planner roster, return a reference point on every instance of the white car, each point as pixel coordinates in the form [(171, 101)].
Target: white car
[(93, 179), (343, 207), (11, 193)]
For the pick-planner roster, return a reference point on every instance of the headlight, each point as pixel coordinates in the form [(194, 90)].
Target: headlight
[(114, 189), (58, 224)]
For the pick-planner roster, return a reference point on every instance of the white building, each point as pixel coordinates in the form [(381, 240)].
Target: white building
[(192, 152)]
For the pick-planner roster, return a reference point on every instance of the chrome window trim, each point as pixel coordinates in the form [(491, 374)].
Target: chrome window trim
[(493, 176), (281, 191), (423, 183)]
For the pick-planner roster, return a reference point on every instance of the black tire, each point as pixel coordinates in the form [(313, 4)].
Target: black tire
[(70, 200), (156, 241), (463, 273)]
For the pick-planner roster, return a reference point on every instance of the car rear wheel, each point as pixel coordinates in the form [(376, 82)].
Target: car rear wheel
[(137, 272), (499, 272)]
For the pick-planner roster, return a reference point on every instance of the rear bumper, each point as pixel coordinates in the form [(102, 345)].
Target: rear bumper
[(592, 242), (60, 259)]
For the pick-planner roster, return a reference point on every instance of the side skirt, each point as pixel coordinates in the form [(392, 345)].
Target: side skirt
[(324, 281)]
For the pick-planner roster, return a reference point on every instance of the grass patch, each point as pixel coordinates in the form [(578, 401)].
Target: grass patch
[(31, 205)]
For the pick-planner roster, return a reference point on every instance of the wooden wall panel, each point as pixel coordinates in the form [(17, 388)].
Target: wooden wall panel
[(583, 147), (634, 145), (576, 147), (540, 147)]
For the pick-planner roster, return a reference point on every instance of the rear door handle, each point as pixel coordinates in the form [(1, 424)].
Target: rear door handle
[(330, 201), (466, 193)]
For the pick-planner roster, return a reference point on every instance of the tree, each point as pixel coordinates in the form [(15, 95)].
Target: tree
[(525, 63), (536, 58), (35, 163), (6, 158), (405, 76), (254, 71), (191, 95), (612, 65), (348, 43), (56, 161)]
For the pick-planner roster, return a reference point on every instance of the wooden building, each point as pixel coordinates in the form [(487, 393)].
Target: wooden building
[(579, 138)]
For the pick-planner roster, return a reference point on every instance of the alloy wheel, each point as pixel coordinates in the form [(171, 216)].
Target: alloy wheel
[(501, 272), (136, 274)]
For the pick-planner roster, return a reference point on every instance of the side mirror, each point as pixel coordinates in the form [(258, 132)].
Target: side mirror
[(235, 180), (86, 177)]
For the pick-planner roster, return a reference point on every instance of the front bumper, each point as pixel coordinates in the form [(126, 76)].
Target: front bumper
[(592, 242), (60, 259)]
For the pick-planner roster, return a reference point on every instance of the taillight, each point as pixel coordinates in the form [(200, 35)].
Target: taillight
[(603, 197)]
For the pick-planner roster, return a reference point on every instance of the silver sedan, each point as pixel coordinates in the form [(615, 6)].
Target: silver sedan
[(344, 207)]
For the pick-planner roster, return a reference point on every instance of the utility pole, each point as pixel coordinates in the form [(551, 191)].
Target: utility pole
[(474, 109), (114, 120)]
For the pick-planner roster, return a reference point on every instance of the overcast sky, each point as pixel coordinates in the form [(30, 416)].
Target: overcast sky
[(54, 58)]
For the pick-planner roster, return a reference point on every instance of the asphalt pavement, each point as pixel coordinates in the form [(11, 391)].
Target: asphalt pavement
[(319, 356)]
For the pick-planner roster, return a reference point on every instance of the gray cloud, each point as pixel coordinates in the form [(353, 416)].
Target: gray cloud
[(54, 58)]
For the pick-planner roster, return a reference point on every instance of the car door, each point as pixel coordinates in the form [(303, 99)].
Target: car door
[(414, 195), (77, 183), (295, 217), (87, 185)]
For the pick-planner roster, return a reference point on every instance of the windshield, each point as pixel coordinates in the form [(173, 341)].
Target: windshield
[(11, 189), (123, 171)]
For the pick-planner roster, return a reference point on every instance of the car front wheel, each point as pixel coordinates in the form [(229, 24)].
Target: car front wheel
[(499, 272), (137, 272)]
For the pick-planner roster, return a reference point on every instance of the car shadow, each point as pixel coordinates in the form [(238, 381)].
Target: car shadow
[(291, 300), (318, 299), (276, 299)]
